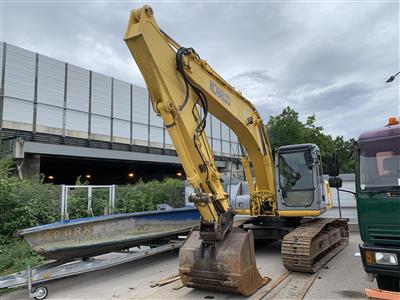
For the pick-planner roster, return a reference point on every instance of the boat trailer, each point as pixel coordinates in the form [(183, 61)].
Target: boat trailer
[(33, 277)]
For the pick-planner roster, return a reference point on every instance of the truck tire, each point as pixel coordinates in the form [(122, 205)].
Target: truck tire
[(388, 283)]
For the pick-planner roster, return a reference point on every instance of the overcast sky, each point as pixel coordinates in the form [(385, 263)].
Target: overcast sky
[(329, 59)]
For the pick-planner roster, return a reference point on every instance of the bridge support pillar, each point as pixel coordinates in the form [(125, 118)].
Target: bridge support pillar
[(29, 166)]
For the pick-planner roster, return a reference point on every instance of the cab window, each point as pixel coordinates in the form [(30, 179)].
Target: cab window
[(296, 180)]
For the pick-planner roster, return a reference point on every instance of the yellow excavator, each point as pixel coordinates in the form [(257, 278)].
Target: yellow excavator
[(287, 192)]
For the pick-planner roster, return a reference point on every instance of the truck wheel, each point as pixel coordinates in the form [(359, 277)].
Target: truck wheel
[(388, 283)]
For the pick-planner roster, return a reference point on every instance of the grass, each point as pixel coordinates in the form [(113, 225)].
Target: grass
[(16, 255)]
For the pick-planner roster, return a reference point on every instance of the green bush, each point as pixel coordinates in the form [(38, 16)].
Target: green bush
[(78, 203), (25, 203), (145, 196), (16, 255)]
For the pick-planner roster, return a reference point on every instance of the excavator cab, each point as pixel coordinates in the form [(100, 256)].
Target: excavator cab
[(301, 189)]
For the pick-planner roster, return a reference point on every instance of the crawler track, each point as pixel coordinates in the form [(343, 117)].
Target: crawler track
[(312, 244)]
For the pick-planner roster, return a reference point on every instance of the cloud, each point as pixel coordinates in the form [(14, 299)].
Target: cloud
[(329, 59), (342, 107)]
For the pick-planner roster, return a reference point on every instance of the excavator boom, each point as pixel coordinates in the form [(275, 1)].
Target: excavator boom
[(183, 90)]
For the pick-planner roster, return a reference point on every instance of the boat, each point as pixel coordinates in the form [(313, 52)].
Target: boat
[(87, 237)]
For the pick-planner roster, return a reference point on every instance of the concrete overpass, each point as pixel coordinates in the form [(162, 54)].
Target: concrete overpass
[(55, 116)]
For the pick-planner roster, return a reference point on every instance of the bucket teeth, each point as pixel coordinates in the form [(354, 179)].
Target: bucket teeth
[(228, 265)]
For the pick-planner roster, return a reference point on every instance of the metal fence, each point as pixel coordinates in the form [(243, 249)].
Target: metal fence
[(89, 189)]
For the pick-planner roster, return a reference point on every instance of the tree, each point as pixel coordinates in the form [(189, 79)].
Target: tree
[(287, 129), (342, 147)]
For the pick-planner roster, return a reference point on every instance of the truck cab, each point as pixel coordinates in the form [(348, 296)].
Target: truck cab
[(378, 203)]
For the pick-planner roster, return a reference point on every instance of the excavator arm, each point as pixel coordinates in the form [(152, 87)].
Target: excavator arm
[(183, 89)]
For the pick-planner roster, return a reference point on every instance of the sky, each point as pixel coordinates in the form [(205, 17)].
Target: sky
[(328, 58)]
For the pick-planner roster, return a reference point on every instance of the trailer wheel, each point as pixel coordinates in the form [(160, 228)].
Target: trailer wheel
[(40, 293), (388, 283)]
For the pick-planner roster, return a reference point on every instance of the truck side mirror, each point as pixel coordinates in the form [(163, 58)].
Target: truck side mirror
[(335, 182), (333, 165)]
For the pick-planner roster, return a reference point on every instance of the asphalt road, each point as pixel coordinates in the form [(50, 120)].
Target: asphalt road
[(342, 278)]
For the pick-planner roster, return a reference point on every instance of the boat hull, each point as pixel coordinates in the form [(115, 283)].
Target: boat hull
[(87, 237)]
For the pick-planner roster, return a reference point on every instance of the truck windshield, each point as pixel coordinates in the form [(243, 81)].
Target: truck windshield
[(380, 164), (295, 179)]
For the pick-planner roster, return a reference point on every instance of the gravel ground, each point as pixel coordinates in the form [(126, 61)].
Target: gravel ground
[(342, 278)]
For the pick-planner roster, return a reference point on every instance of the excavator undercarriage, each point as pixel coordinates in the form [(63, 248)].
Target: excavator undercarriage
[(312, 244)]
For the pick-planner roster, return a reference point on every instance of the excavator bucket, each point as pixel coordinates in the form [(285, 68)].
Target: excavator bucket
[(228, 265)]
